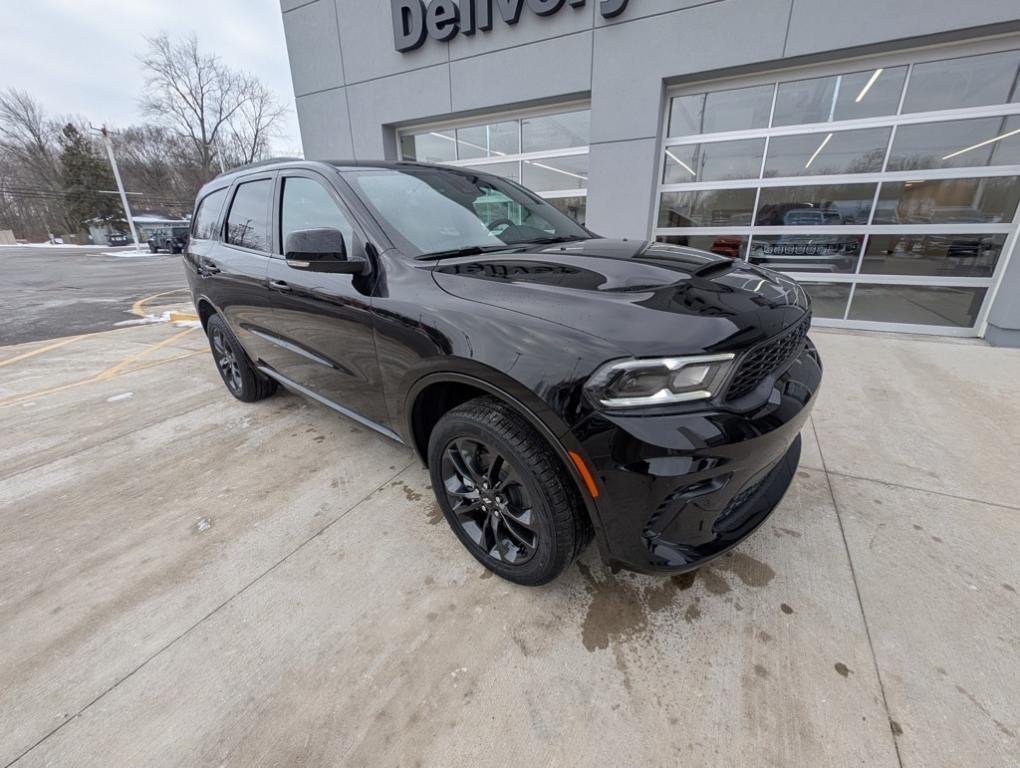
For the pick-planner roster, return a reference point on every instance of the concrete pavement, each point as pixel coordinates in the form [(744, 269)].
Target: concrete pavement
[(48, 293), (186, 580)]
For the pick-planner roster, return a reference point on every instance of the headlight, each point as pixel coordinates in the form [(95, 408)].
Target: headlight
[(659, 381)]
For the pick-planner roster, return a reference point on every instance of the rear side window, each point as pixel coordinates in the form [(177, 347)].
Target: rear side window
[(248, 220), (207, 218)]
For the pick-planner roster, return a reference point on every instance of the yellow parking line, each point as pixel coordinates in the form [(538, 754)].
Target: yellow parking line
[(114, 370), (34, 352), (138, 308)]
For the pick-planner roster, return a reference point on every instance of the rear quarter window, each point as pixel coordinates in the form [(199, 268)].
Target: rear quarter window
[(207, 217)]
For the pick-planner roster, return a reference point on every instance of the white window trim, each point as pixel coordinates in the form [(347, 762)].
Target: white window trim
[(909, 58)]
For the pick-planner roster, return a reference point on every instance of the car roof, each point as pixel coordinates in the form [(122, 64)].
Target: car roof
[(226, 179)]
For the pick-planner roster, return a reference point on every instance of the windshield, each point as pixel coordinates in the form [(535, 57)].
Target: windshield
[(435, 210)]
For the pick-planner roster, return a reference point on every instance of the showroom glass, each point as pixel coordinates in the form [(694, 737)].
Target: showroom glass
[(807, 206), (733, 110), (495, 140), (430, 147), (917, 304), (959, 228), (506, 170), (438, 210), (307, 205), (972, 81), (971, 143), (572, 129), (714, 162), (574, 207), (556, 173), (935, 255), (709, 208), (207, 219), (868, 93), (834, 152), (948, 201), (248, 220), (797, 252)]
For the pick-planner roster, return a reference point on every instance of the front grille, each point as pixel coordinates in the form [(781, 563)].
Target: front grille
[(760, 362)]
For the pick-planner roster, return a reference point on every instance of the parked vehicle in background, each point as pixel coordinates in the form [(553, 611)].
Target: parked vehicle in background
[(559, 386), (173, 240), (118, 239)]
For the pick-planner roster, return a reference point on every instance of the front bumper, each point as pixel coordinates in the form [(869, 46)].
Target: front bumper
[(680, 489)]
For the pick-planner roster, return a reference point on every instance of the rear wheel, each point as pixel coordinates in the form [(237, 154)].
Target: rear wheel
[(237, 372), (505, 494)]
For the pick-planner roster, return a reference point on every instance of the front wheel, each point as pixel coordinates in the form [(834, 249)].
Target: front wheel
[(505, 494), (242, 380)]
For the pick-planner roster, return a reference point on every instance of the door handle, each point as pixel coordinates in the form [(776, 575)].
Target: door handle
[(279, 285)]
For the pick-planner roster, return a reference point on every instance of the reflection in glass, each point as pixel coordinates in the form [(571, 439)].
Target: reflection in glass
[(939, 255), (828, 299), (948, 201), (972, 81), (494, 140), (506, 170), (921, 305), (712, 162), (956, 143), (709, 208), (815, 205), (572, 129), (556, 173), (869, 93), (431, 147), (827, 153), (733, 110), (733, 246), (574, 207), (798, 252)]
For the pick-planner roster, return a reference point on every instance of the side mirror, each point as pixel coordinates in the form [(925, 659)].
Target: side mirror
[(320, 250)]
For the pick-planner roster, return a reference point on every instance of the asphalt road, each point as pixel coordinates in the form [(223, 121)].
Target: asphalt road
[(47, 293)]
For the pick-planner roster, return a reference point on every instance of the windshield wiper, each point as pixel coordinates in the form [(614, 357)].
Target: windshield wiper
[(471, 250), (551, 240)]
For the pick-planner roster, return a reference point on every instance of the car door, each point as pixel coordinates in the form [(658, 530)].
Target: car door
[(322, 324), (233, 266)]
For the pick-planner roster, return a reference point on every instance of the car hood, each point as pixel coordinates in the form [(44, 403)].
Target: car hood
[(649, 298)]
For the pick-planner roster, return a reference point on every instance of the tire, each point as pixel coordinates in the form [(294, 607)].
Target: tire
[(153, 249), (236, 370), (523, 520)]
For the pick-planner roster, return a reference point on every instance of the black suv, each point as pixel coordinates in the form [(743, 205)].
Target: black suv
[(171, 240), (558, 385)]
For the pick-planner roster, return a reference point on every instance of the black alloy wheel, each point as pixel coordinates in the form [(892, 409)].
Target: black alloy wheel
[(226, 360), (505, 493), (237, 372), (490, 504)]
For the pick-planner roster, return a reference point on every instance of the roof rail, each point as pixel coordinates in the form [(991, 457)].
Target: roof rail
[(260, 164)]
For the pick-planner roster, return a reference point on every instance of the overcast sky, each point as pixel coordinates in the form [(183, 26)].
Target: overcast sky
[(79, 56)]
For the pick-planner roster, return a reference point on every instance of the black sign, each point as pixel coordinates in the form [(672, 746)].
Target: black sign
[(442, 20)]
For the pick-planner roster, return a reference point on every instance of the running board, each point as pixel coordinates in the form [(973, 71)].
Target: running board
[(330, 404)]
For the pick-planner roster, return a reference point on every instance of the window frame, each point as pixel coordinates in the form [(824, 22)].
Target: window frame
[(219, 214), (271, 177), (360, 238), (521, 157), (910, 58)]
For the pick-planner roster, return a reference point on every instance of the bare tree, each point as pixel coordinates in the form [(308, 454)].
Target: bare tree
[(195, 93), (255, 124), (210, 104), (28, 136)]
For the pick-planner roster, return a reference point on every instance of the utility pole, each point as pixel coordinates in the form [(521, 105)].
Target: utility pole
[(120, 184)]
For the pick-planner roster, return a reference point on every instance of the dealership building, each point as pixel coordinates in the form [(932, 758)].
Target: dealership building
[(869, 148)]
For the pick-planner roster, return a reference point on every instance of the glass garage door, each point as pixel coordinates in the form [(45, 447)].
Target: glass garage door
[(546, 152), (889, 189)]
